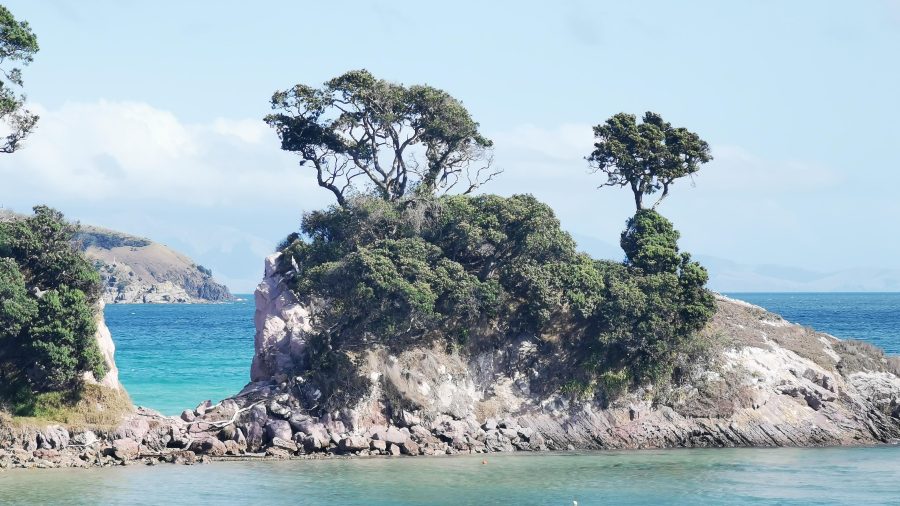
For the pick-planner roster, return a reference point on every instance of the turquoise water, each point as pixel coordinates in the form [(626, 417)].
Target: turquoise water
[(172, 356), (724, 476)]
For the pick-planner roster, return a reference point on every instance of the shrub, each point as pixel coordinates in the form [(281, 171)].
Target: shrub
[(48, 293), (474, 271)]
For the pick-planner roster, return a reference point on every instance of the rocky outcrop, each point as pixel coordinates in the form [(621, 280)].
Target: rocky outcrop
[(770, 383), (108, 351), (137, 270)]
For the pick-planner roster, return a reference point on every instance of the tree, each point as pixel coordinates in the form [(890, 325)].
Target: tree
[(364, 134), (647, 157), (17, 46)]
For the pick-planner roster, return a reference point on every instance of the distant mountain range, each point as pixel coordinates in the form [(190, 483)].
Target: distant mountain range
[(727, 276)]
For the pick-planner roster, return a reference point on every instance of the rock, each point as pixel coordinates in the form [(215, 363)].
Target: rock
[(490, 424), (54, 437), (285, 444), (299, 421), (409, 447), (278, 429), (378, 445), (186, 457), (188, 415), (233, 448), (227, 433), (525, 433), (279, 410), (135, 428), (255, 436), (408, 419), (276, 452), (353, 443), (125, 449), (86, 438), (210, 446), (46, 454), (202, 408), (392, 435)]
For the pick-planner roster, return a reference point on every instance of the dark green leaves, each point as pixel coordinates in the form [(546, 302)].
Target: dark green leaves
[(366, 136), (647, 157), (17, 45), (48, 293)]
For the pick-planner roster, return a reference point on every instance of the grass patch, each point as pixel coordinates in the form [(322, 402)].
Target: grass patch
[(93, 405)]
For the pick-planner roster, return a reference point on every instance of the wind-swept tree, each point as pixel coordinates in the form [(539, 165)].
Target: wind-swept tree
[(17, 47), (362, 134), (647, 157)]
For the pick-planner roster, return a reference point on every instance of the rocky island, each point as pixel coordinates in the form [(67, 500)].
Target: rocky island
[(409, 320)]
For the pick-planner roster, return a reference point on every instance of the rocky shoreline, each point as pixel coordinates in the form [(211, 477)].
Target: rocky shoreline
[(768, 383)]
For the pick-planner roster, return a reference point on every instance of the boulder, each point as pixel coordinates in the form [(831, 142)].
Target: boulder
[(378, 445), (353, 443), (209, 446), (410, 447), (125, 449), (279, 410), (54, 437), (233, 448), (394, 450), (86, 438), (188, 416), (203, 407), (285, 444), (255, 435), (408, 419), (278, 429), (392, 435), (134, 428)]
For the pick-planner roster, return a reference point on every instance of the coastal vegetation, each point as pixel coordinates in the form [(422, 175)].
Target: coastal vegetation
[(48, 297), (400, 262)]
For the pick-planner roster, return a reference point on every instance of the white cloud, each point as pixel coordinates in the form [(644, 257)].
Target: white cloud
[(224, 193), (114, 150)]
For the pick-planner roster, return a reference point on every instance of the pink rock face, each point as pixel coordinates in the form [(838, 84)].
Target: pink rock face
[(282, 325)]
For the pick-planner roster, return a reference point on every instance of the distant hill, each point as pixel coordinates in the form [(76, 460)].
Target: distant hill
[(137, 270)]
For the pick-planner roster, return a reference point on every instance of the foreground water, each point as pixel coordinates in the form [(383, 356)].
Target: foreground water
[(724, 476), (173, 356)]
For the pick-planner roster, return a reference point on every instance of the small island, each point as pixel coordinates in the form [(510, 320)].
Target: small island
[(420, 316)]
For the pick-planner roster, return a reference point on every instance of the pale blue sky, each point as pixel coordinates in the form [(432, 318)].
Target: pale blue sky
[(152, 114)]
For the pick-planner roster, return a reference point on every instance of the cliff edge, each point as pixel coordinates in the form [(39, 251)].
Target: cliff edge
[(768, 383)]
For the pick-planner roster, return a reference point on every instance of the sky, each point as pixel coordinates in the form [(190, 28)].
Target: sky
[(151, 115)]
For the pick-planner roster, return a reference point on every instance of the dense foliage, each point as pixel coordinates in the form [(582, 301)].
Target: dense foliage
[(647, 157), (468, 271), (47, 296), (18, 44), (363, 135)]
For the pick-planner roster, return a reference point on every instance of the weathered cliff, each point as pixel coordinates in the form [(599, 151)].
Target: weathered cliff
[(768, 383)]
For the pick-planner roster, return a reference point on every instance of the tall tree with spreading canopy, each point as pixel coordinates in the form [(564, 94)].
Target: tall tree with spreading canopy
[(647, 157), (361, 134), (18, 44)]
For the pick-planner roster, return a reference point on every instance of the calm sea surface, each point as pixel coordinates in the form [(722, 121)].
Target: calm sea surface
[(173, 356)]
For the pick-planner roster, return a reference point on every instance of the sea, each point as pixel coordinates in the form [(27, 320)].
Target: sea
[(171, 357)]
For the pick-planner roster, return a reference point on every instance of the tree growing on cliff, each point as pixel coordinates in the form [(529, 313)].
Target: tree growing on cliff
[(48, 292), (18, 44), (366, 135), (647, 157)]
